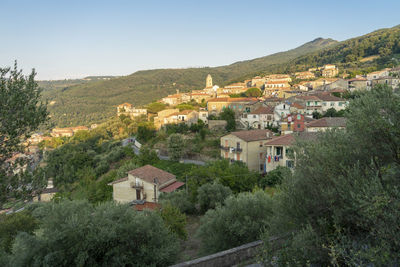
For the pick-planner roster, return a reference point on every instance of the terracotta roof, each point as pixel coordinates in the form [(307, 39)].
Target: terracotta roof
[(289, 139), (119, 180), (308, 97), (146, 205), (220, 99), (125, 104), (186, 112), (357, 79), (277, 82), (328, 122), (253, 135), (149, 173), (172, 187), (242, 99), (329, 97), (297, 105), (263, 110)]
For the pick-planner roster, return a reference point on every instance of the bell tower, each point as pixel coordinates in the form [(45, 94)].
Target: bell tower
[(209, 82)]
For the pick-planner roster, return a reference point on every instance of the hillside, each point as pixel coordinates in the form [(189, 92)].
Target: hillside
[(96, 101)]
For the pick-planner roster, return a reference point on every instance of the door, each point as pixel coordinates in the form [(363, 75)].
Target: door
[(138, 194)]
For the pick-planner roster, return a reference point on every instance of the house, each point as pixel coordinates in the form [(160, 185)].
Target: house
[(326, 123), (46, 194), (234, 88), (258, 82), (238, 105), (278, 78), (67, 132), (391, 81), (304, 75), (297, 108), (329, 71), (247, 147), (311, 102), (279, 149), (360, 83), (203, 115), (199, 97), (292, 123), (144, 185), (378, 74), (281, 111), (160, 119), (259, 118), (129, 110), (188, 117), (330, 101)]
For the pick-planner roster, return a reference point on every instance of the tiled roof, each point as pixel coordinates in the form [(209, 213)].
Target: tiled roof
[(253, 135), (328, 122), (329, 97), (263, 110), (146, 205), (172, 187), (289, 139), (149, 173), (297, 105)]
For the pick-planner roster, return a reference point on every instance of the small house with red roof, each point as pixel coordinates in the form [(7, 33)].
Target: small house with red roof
[(143, 185)]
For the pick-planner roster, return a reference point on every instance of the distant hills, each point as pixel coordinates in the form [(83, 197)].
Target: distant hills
[(96, 100)]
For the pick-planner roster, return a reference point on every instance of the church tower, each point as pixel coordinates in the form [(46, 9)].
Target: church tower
[(209, 82)]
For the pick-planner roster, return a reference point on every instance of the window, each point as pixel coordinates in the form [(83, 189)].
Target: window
[(254, 116), (308, 103), (238, 156), (261, 155), (332, 104), (238, 145), (316, 103), (324, 104), (278, 151), (261, 167), (289, 163), (261, 144), (298, 117), (340, 104), (298, 126)]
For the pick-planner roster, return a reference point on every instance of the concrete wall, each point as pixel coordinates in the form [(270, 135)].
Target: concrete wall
[(216, 125), (226, 258)]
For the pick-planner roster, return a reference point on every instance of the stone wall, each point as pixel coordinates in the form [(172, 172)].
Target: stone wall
[(216, 125)]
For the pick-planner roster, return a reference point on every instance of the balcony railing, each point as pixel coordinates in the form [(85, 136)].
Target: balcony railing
[(137, 184), (224, 147), (231, 149)]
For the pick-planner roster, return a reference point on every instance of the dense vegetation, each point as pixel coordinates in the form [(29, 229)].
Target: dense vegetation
[(341, 206), (97, 100)]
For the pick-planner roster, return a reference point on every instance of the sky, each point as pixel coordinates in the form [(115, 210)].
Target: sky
[(73, 39)]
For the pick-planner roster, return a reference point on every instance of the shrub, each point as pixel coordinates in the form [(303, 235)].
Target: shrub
[(212, 194), (240, 220)]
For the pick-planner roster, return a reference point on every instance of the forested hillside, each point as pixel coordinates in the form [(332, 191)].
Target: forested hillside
[(97, 100)]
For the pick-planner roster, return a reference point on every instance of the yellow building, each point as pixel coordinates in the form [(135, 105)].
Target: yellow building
[(144, 184), (247, 147), (329, 71), (159, 120)]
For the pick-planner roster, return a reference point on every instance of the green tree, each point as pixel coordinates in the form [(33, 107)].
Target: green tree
[(179, 199), (247, 213), (174, 220), (253, 92), (76, 233), (212, 194), (275, 177), (229, 116), (21, 112), (10, 225), (341, 207), (176, 145)]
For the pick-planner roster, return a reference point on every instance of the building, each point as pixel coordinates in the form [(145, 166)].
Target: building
[(281, 111), (143, 185), (378, 74), (239, 105), (247, 147), (359, 84), (200, 97), (326, 123), (304, 75), (279, 150), (129, 110), (188, 117), (258, 82), (391, 81), (160, 119), (67, 132), (209, 81), (46, 194), (311, 102), (293, 123), (329, 101), (329, 71), (259, 118), (278, 78), (203, 115), (297, 108)]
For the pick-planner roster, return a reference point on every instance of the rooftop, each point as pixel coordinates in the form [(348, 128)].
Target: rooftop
[(328, 122), (263, 110), (289, 139), (253, 135)]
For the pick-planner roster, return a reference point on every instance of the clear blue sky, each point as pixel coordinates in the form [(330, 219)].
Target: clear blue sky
[(68, 39)]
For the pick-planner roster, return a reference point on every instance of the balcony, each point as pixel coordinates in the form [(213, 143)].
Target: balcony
[(236, 149), (137, 185), (226, 148)]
